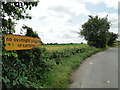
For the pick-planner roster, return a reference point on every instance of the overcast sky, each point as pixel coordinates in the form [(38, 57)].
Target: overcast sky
[(58, 21)]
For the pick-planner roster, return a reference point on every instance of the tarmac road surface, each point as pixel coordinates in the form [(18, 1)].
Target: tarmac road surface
[(98, 71)]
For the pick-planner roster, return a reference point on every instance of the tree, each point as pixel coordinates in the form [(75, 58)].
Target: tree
[(12, 11), (112, 37), (30, 32), (42, 43), (95, 31)]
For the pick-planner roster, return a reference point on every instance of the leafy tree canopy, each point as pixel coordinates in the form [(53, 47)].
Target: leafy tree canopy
[(12, 11), (95, 31), (30, 32)]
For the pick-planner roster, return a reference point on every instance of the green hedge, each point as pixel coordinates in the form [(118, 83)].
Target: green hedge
[(27, 68)]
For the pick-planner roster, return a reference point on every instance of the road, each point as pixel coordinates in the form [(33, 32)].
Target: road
[(98, 71)]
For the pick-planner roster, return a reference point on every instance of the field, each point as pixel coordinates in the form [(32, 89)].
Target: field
[(61, 47)]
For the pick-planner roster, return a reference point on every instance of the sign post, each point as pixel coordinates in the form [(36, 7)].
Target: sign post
[(17, 42)]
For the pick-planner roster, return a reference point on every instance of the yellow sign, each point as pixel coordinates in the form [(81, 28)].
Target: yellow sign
[(17, 42)]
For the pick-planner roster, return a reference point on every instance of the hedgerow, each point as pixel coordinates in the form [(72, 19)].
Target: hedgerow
[(27, 68)]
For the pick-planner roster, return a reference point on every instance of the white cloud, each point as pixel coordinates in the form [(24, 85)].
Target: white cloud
[(53, 20), (58, 8), (109, 3), (61, 34), (114, 20), (93, 1)]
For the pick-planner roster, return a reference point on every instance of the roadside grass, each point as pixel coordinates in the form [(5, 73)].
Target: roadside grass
[(60, 76)]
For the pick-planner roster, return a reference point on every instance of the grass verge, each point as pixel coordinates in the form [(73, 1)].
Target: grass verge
[(59, 77)]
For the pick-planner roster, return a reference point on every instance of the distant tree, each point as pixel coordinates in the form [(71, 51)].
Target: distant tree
[(112, 37), (56, 43), (81, 42), (95, 31), (12, 11)]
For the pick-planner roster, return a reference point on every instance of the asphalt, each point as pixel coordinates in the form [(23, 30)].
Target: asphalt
[(98, 71)]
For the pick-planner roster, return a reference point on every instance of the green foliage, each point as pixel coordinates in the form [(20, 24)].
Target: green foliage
[(95, 31), (30, 31), (13, 71), (60, 76), (22, 68), (28, 68), (14, 11), (42, 43), (112, 37)]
